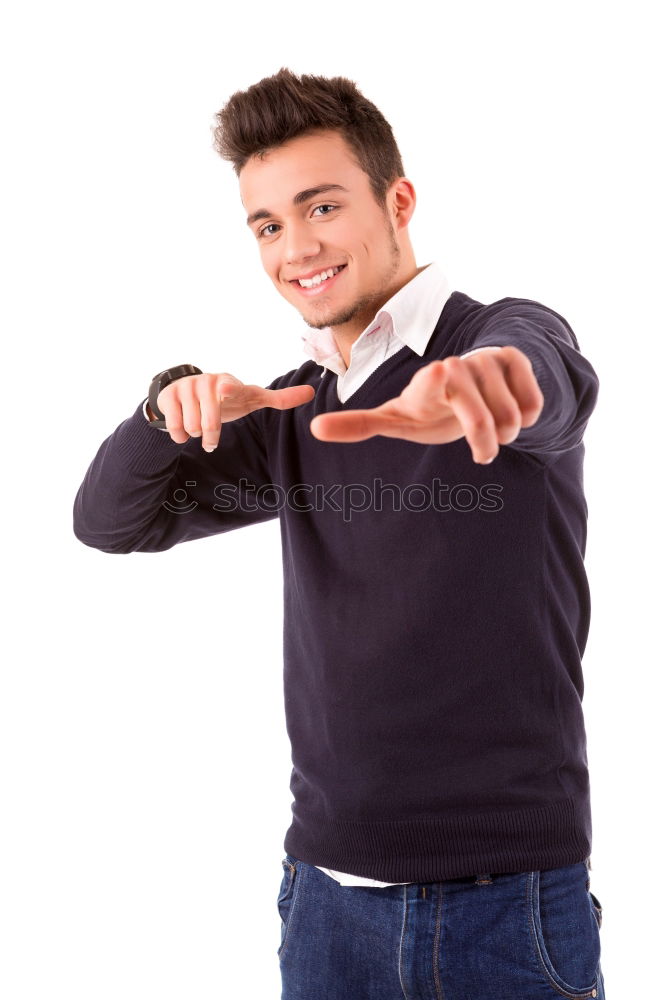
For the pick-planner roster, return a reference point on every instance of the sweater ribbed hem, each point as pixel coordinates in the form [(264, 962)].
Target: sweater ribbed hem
[(436, 849)]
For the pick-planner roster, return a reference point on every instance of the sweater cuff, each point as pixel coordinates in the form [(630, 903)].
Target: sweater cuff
[(141, 446), (567, 380), (145, 413), (486, 347)]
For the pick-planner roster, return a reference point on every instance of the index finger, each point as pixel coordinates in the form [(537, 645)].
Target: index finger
[(281, 399), (356, 425)]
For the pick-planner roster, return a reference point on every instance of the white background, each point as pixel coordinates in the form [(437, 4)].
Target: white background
[(145, 762)]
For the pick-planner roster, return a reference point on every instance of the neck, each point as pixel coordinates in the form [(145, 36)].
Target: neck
[(346, 334)]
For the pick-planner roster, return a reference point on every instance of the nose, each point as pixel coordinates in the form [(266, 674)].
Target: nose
[(300, 244)]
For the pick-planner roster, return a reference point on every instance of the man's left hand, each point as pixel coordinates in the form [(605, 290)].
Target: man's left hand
[(485, 397)]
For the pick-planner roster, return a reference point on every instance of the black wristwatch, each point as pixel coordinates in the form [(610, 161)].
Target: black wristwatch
[(161, 381)]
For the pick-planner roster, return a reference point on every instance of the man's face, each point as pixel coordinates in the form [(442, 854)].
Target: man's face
[(336, 228)]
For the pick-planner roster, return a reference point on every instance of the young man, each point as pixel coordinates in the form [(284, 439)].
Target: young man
[(426, 466)]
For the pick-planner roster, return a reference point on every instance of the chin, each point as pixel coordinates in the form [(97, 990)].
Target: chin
[(316, 322)]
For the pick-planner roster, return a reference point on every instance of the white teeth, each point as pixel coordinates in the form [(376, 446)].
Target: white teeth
[(318, 278)]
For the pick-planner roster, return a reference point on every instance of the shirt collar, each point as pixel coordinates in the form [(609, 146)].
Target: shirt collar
[(411, 315)]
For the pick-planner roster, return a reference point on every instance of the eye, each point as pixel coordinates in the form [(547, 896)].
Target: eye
[(263, 231)]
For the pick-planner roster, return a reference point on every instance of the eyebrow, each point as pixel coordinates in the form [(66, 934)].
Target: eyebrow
[(302, 196)]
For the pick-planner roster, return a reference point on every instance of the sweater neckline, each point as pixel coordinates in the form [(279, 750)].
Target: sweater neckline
[(370, 380), (398, 357)]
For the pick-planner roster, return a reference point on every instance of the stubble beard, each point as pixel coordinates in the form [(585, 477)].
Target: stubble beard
[(366, 305)]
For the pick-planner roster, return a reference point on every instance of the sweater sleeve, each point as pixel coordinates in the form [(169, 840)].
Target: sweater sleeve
[(143, 492), (567, 380)]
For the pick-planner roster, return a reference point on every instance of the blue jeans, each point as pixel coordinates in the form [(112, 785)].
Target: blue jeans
[(527, 936)]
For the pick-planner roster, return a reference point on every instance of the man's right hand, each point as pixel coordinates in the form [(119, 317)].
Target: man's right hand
[(198, 405)]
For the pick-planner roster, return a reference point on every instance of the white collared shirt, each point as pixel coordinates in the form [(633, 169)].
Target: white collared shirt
[(407, 319)]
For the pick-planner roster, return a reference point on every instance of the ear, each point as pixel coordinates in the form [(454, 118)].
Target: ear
[(401, 201)]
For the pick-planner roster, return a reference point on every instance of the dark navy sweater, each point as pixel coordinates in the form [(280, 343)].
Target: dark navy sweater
[(436, 611)]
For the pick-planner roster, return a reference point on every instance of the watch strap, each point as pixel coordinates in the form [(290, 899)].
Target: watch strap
[(161, 381)]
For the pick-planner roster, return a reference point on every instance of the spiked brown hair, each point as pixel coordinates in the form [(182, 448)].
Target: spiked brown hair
[(285, 105)]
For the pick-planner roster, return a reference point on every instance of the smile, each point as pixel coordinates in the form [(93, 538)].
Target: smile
[(319, 288)]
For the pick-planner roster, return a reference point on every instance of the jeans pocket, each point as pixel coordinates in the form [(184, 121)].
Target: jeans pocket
[(565, 930), (596, 908), (286, 897)]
